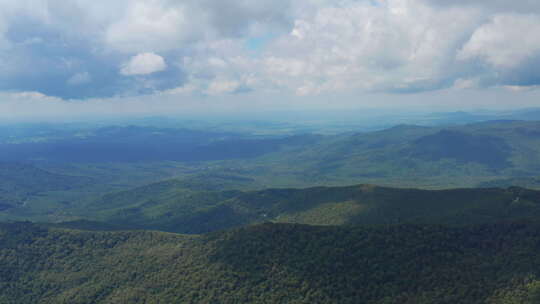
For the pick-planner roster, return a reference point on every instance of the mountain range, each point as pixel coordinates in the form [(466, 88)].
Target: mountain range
[(410, 214)]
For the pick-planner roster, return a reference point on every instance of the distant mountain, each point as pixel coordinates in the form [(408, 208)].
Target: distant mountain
[(404, 155), (412, 156), (528, 182), (498, 153), (172, 206), (490, 151), (143, 144), (19, 181), (274, 263)]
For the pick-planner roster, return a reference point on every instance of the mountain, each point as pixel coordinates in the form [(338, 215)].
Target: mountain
[(411, 156), (273, 263), (527, 182), (171, 206), (404, 155), (143, 144), (246, 239), (19, 181), (490, 154)]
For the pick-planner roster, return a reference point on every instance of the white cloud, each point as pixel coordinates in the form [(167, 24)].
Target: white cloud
[(311, 47), (144, 64), (492, 6), (505, 42), (218, 87), (398, 45), (30, 95), (516, 88), (80, 78), (461, 83), (153, 26)]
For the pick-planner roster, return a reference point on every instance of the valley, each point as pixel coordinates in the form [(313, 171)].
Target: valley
[(409, 214)]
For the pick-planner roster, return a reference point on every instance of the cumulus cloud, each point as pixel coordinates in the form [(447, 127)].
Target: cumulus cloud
[(401, 45), (390, 46), (89, 49), (152, 25), (143, 64), (506, 41)]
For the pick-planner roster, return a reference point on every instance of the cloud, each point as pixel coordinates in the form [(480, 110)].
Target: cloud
[(505, 42), (239, 18), (80, 78), (218, 87), (44, 43), (491, 6), (144, 64), (152, 26), (397, 46), (108, 49)]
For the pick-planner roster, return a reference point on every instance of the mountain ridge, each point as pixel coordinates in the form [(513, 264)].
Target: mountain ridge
[(493, 263), (178, 209)]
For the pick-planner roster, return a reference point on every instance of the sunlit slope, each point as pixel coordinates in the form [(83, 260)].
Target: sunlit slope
[(273, 263), (169, 206)]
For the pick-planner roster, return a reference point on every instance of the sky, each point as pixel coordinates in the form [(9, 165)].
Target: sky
[(82, 58)]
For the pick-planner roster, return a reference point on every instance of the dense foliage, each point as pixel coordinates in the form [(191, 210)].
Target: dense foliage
[(169, 206), (273, 263), (120, 158), (20, 181), (368, 244)]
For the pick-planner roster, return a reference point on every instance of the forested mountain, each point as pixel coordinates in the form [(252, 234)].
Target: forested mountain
[(412, 156), (257, 224), (274, 263), (19, 181), (137, 144), (489, 154), (404, 155), (170, 206)]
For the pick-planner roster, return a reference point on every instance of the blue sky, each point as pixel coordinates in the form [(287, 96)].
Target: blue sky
[(84, 58)]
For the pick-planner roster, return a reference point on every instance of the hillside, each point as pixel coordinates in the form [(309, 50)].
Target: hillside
[(403, 155), (19, 182), (171, 206), (489, 154), (273, 263), (413, 156)]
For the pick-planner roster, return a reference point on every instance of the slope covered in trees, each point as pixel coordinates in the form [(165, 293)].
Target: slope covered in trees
[(171, 206), (497, 153), (19, 181), (274, 263), (409, 156)]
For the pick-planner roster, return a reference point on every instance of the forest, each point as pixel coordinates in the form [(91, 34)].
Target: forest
[(399, 215)]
